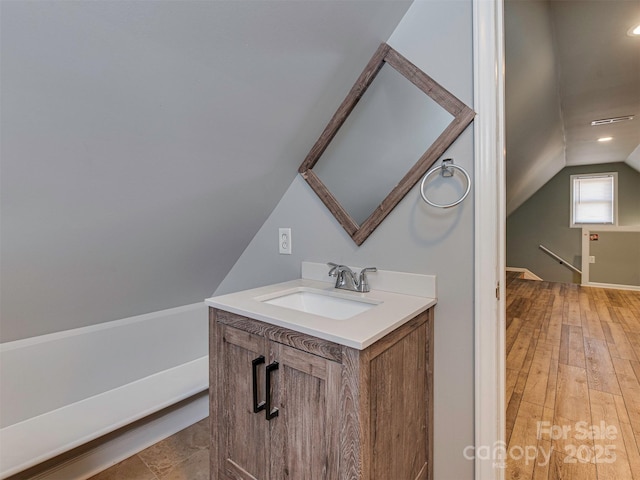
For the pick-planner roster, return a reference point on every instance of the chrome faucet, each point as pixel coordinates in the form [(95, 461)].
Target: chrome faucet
[(347, 279)]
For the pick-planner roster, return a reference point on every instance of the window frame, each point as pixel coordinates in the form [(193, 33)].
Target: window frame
[(614, 175)]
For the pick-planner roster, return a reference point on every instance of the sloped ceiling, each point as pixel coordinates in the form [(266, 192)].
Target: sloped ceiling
[(145, 143), (568, 63)]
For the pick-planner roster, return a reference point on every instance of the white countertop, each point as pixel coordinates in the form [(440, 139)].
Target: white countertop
[(359, 331)]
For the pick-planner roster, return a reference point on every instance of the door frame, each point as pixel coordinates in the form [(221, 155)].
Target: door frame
[(490, 218)]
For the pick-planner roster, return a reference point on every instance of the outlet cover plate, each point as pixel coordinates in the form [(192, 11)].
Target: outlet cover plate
[(284, 241)]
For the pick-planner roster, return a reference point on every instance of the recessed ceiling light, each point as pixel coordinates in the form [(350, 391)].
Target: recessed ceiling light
[(605, 139), (634, 31)]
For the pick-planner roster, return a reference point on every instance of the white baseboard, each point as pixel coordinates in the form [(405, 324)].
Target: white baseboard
[(612, 286), (528, 274), (100, 454), (30, 443)]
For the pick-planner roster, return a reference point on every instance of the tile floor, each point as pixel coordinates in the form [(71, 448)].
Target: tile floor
[(183, 456)]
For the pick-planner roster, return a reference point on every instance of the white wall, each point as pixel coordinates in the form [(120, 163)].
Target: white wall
[(144, 143), (437, 37)]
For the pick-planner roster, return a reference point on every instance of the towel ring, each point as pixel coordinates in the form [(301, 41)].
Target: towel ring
[(447, 167)]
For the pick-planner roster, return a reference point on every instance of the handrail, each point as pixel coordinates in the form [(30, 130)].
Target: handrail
[(559, 259)]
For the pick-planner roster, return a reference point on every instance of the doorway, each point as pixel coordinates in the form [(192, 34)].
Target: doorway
[(572, 352)]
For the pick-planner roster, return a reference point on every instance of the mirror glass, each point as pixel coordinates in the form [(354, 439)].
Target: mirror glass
[(386, 133)]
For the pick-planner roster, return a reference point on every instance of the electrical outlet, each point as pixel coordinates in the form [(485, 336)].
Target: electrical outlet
[(284, 241), (592, 259)]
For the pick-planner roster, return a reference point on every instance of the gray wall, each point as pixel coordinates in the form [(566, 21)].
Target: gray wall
[(143, 144), (535, 146), (436, 36), (617, 256), (545, 217)]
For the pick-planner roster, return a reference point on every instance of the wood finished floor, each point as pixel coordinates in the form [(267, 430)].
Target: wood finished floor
[(573, 368)]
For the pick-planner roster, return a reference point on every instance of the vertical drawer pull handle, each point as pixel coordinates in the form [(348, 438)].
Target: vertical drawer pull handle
[(257, 406), (271, 413)]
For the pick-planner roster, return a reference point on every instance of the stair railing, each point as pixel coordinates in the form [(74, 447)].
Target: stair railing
[(559, 259)]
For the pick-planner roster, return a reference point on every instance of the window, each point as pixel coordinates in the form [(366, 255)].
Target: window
[(594, 199)]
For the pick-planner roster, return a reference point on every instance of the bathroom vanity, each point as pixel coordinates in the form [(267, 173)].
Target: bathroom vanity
[(299, 395)]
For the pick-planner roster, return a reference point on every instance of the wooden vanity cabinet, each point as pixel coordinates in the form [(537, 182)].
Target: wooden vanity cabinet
[(335, 412)]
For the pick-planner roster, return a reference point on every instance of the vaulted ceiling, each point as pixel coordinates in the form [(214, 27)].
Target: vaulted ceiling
[(568, 63), (145, 143)]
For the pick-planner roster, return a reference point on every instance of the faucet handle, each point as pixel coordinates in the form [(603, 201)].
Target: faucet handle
[(364, 283)]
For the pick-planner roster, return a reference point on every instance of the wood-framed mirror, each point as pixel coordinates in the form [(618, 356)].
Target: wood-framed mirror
[(382, 139)]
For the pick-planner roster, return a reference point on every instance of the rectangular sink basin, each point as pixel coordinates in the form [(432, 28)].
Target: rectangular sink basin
[(319, 302)]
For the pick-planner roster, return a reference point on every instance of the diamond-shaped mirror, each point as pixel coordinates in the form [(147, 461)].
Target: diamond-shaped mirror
[(384, 136)]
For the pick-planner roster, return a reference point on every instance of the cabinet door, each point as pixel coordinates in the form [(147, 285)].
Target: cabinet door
[(242, 434), (305, 438)]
